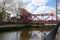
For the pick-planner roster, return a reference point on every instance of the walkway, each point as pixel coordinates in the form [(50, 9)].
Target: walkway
[(58, 34)]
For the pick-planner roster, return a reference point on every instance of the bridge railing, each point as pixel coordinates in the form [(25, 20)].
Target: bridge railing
[(52, 34)]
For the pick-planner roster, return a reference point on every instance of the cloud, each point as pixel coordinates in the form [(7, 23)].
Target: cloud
[(1, 1), (39, 2), (24, 3), (45, 9), (41, 9)]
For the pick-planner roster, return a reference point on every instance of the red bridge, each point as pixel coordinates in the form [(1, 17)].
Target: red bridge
[(46, 18)]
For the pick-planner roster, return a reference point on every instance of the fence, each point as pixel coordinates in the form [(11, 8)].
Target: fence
[(52, 34)]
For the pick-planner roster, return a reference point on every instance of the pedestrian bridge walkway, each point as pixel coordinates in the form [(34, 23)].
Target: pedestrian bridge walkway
[(58, 34)]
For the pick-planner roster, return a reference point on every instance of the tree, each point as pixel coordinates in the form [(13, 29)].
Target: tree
[(2, 15)]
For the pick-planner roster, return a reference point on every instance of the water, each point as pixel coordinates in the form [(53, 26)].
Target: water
[(8, 36), (24, 35)]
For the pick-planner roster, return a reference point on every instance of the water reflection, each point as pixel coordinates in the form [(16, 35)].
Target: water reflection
[(24, 35), (33, 35)]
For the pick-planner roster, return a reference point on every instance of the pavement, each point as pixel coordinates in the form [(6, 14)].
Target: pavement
[(58, 34)]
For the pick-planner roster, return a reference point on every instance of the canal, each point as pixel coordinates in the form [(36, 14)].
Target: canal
[(33, 33)]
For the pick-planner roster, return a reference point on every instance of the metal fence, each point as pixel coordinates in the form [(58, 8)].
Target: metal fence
[(52, 34)]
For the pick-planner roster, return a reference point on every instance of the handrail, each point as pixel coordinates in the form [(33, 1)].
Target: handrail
[(52, 34)]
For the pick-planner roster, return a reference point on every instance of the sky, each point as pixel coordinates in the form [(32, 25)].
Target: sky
[(35, 6), (1, 1), (51, 3), (58, 4), (58, 7), (39, 6)]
